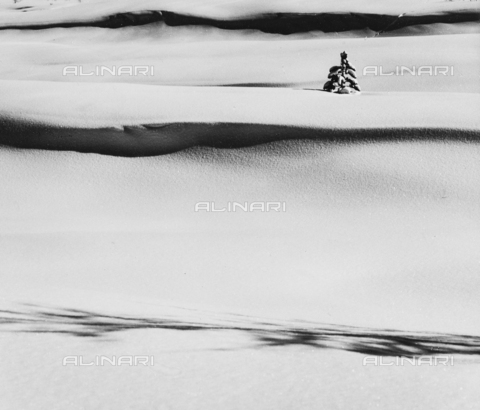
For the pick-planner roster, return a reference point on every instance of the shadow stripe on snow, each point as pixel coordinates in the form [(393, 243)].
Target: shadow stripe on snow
[(379, 342), (276, 23), (161, 139)]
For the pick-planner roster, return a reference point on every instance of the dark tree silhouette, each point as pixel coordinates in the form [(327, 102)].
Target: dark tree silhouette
[(342, 78)]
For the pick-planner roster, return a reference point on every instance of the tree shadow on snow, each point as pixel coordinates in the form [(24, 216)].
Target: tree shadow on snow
[(378, 342)]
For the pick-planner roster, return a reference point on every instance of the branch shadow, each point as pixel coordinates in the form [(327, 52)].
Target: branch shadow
[(377, 342)]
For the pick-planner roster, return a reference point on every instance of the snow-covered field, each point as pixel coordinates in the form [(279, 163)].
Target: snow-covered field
[(103, 252)]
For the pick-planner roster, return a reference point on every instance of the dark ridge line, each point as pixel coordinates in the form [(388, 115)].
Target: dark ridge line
[(161, 139), (277, 23), (289, 23), (379, 342)]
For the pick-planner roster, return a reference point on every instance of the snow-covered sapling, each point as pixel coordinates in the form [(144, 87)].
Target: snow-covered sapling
[(342, 78)]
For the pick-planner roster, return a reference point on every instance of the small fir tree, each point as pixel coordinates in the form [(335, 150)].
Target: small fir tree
[(342, 78)]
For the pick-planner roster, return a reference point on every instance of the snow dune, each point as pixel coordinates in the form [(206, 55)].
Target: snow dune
[(181, 56), (44, 12), (135, 120)]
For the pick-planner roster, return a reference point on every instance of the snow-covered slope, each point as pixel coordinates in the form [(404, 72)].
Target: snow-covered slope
[(39, 12), (374, 253), (131, 120)]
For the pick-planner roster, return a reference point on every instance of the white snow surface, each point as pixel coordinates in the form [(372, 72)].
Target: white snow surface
[(101, 253)]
